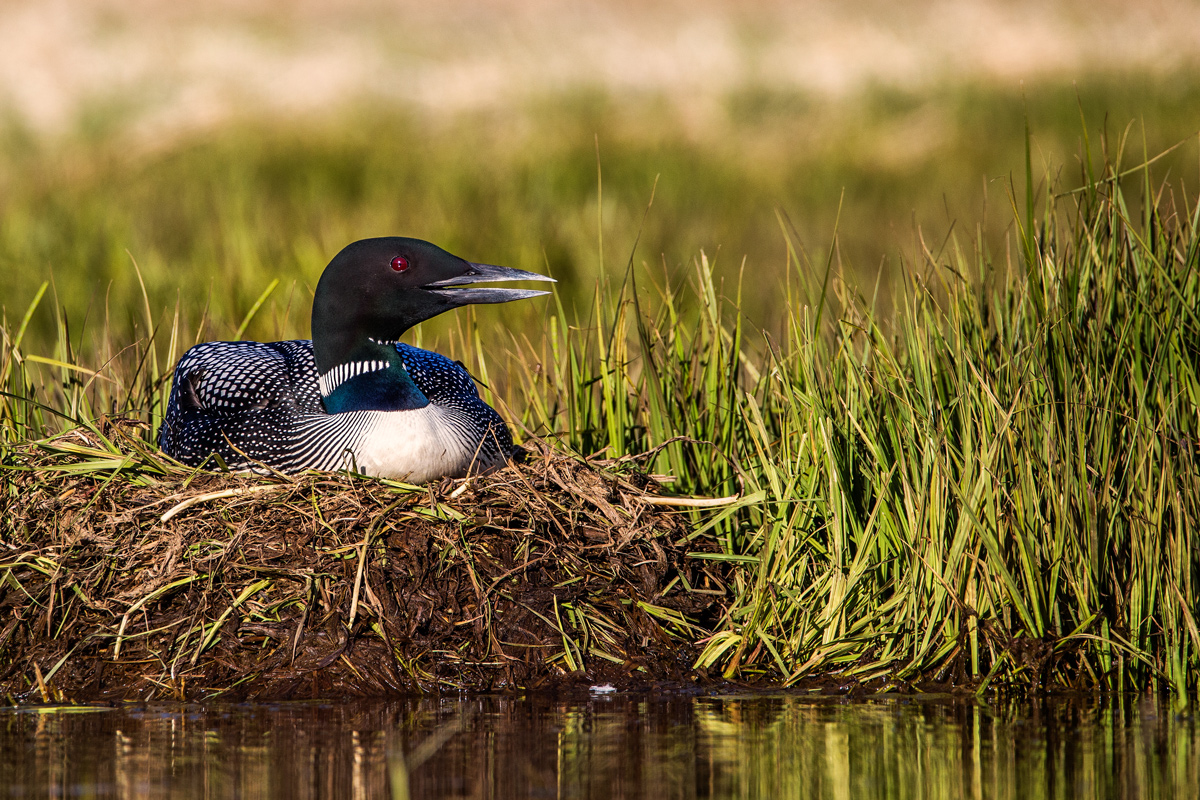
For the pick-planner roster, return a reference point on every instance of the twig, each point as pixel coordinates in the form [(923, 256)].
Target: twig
[(204, 498), (691, 502)]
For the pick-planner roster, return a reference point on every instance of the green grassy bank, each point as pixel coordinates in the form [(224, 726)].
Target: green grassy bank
[(996, 483), (993, 483)]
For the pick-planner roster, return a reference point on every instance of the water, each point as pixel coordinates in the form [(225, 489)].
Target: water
[(606, 746)]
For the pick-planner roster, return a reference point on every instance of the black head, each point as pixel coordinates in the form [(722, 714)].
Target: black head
[(379, 288)]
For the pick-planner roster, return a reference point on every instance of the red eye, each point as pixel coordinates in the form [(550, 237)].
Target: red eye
[(400, 263)]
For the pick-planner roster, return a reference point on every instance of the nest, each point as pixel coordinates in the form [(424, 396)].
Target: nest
[(123, 576)]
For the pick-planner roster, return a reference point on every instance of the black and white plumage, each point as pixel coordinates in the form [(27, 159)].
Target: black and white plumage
[(353, 397), (259, 403)]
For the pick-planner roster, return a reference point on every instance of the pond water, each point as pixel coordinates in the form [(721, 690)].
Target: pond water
[(606, 746)]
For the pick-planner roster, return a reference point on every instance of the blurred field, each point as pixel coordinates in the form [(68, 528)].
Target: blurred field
[(224, 148), (212, 218), (159, 66)]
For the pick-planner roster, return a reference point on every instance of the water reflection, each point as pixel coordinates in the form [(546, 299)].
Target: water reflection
[(617, 746)]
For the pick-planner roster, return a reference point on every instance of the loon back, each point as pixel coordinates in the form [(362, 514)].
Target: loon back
[(256, 403), (353, 396)]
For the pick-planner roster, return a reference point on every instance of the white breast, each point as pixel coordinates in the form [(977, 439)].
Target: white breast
[(414, 446)]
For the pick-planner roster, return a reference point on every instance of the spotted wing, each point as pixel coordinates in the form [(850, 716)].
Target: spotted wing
[(241, 396)]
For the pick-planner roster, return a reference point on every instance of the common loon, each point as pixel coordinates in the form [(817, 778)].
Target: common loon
[(354, 396)]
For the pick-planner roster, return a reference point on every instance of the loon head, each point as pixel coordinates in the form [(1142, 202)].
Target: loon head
[(376, 289)]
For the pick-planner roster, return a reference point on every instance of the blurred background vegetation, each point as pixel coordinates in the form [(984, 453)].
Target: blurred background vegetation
[(223, 150)]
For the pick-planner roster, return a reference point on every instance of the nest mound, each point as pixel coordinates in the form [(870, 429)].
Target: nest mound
[(125, 577)]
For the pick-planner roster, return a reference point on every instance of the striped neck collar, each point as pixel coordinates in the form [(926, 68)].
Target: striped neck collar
[(331, 380)]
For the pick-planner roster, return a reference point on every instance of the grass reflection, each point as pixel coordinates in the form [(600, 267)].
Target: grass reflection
[(904, 748), (614, 747)]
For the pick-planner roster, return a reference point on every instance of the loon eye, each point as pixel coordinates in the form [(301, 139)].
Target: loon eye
[(400, 263)]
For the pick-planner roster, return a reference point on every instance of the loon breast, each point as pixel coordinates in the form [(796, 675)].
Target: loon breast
[(421, 445)]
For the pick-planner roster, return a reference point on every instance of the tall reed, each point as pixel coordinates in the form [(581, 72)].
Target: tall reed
[(996, 482)]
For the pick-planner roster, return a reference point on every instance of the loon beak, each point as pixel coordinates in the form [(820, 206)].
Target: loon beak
[(451, 288)]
